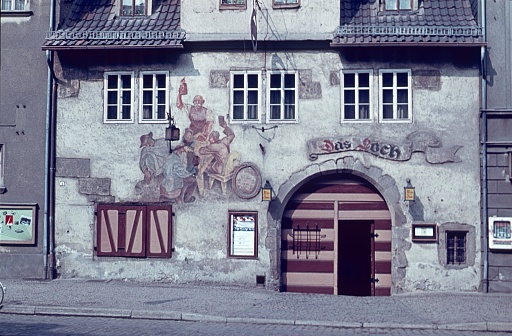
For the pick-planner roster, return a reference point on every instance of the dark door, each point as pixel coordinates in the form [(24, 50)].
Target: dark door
[(355, 257)]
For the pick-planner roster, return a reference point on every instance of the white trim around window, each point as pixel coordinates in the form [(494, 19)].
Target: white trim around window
[(119, 97), (153, 97), (395, 95), (245, 97), (282, 96), (356, 95)]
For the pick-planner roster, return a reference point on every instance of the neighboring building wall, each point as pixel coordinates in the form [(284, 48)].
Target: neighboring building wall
[(99, 162), (22, 136), (498, 111)]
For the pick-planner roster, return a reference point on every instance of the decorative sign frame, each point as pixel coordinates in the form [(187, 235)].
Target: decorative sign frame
[(18, 224), (246, 182), (422, 232), (243, 234)]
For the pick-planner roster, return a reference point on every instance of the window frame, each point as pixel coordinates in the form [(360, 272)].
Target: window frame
[(356, 88), (286, 4), (26, 6), (232, 232), (457, 235), (282, 100), (147, 9), (245, 89), (395, 103), (154, 102), (119, 103), (413, 4), (233, 5)]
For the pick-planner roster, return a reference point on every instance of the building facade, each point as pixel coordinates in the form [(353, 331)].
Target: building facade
[(363, 120), (24, 130)]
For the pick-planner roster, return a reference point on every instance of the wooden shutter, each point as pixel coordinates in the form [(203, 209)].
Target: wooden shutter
[(159, 223)]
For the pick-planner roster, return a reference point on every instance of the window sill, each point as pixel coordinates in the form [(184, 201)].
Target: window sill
[(16, 13)]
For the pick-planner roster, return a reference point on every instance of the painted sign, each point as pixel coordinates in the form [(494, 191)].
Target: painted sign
[(419, 141), (17, 224)]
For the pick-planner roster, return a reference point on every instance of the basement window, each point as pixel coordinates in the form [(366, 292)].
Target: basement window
[(455, 247)]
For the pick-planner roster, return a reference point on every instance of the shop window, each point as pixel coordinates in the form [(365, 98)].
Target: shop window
[(154, 97), (135, 7), (455, 247), (283, 96), (356, 95), (119, 96), (285, 3), (245, 96), (134, 231), (395, 95), (233, 4)]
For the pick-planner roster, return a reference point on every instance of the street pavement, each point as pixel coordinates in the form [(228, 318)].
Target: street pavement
[(257, 305)]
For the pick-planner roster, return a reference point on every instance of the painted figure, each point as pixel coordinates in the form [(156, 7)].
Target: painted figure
[(152, 156), (179, 182), (201, 118), (218, 148)]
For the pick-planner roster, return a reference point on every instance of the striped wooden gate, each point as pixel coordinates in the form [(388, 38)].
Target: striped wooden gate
[(315, 217)]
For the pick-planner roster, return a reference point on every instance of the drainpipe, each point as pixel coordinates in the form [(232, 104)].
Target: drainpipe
[(485, 214), (48, 244)]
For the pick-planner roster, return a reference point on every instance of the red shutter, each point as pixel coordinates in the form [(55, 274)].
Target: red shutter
[(159, 223)]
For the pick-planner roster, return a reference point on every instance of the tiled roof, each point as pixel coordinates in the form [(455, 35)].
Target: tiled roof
[(435, 22), (97, 24)]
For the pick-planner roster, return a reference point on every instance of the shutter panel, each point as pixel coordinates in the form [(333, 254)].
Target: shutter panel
[(135, 231), (107, 231), (159, 235)]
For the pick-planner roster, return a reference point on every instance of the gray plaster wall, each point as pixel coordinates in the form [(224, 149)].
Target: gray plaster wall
[(445, 193), (23, 79)]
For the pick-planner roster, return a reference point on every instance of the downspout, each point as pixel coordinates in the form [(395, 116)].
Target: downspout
[(485, 214), (49, 260)]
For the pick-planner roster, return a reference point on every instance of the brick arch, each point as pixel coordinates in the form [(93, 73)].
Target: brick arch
[(385, 184)]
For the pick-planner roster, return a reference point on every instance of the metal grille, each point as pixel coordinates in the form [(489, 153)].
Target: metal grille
[(456, 247), (306, 240), (114, 35), (404, 30)]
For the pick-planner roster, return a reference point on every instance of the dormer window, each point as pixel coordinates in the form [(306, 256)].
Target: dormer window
[(134, 7), (399, 5)]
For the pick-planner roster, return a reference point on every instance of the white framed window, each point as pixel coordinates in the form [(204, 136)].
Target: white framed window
[(283, 96), (356, 93), (285, 3), (135, 7), (233, 4), (118, 97), (14, 5), (154, 96), (395, 96), (398, 5), (245, 96)]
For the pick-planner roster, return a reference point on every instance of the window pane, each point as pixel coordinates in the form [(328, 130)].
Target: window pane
[(364, 80), (238, 81), (252, 81), (147, 112), (126, 97), (160, 81), (387, 112), (364, 96), (126, 81), (349, 80), (364, 112), (161, 97), (252, 112), (402, 96), (350, 97), (391, 4), (126, 112), (146, 97), (387, 79), (350, 112), (140, 7), (275, 97), (238, 97), (403, 112), (252, 97), (112, 82), (405, 4), (238, 112), (387, 96), (275, 112), (6, 5), (147, 81), (275, 81), (233, 2), (112, 112), (127, 7), (161, 112), (289, 112), (401, 79), (20, 5), (289, 97), (289, 81), (112, 97)]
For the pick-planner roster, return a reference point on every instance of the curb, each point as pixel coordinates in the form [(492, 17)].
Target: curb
[(192, 317)]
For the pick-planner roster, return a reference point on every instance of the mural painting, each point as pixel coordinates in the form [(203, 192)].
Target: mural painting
[(202, 157)]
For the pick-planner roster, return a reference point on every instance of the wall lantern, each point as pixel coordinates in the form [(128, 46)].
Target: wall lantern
[(409, 192), (267, 192), (172, 133)]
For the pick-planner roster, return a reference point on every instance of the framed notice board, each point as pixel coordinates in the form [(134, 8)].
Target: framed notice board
[(243, 234), (18, 224)]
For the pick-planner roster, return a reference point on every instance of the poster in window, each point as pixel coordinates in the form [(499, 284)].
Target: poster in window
[(243, 235), (17, 224)]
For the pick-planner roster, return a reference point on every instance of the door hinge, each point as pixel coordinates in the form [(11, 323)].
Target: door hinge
[(374, 235), (374, 280)]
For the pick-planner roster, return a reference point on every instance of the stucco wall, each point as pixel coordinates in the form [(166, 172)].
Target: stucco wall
[(446, 192)]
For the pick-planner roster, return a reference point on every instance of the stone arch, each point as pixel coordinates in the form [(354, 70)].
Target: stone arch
[(384, 183)]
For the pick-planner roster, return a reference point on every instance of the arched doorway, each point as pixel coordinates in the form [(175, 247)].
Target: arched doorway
[(336, 238)]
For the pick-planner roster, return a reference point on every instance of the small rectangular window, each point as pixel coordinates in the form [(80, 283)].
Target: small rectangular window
[(245, 96), (233, 4), (154, 97), (14, 5), (118, 97), (285, 3), (356, 95), (283, 96), (134, 7), (395, 95), (455, 247), (397, 5)]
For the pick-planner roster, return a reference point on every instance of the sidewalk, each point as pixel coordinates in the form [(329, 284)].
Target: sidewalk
[(230, 304)]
